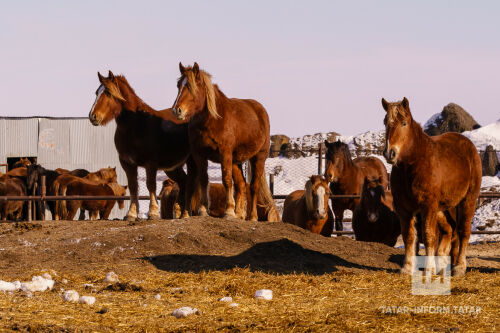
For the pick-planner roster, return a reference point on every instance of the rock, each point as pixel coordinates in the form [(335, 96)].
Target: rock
[(157, 297), (233, 305), (226, 299), (70, 296), (184, 312), (37, 283), (64, 281), (277, 142), (111, 277), (264, 294), (453, 118), (89, 300), (489, 161), (9, 286)]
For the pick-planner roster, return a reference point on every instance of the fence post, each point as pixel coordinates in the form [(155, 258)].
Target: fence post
[(44, 192), (33, 204), (271, 183), (320, 159), (29, 210)]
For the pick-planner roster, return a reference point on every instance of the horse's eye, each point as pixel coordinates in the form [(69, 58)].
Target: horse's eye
[(404, 123)]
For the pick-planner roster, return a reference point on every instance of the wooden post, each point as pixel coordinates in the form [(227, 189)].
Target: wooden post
[(44, 192), (271, 183), (29, 210), (33, 204), (320, 159)]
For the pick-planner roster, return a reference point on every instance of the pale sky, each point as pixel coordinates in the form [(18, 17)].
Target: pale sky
[(316, 66)]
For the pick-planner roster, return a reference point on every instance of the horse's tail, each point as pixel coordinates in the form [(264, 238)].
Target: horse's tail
[(266, 198), (61, 208)]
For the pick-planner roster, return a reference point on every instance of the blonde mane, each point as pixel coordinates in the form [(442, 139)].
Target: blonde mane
[(206, 79), (113, 89)]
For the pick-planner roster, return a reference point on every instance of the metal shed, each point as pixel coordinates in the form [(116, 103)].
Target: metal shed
[(68, 143)]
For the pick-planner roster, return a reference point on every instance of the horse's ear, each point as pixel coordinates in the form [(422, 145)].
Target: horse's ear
[(196, 69), (111, 75), (385, 105), (182, 69), (405, 103), (101, 78)]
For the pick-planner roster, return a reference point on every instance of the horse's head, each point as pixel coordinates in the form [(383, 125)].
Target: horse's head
[(169, 187), (32, 173), (337, 157), (119, 190), (317, 194), (108, 174), (397, 123), (195, 93), (108, 101), (371, 197)]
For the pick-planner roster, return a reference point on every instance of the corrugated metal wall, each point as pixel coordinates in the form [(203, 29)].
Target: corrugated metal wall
[(63, 143)]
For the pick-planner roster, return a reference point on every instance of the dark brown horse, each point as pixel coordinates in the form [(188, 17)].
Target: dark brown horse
[(429, 175), (34, 179), (309, 209), (11, 186), (217, 204), (144, 137), (228, 131), (347, 176), (374, 219)]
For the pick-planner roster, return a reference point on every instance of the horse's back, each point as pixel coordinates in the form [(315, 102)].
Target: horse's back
[(290, 207), (372, 168)]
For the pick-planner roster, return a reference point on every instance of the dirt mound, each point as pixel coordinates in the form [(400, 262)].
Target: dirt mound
[(192, 245)]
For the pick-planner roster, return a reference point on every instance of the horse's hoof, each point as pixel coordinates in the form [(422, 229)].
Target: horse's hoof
[(184, 216), (406, 271), (230, 217), (153, 217), (130, 218), (458, 271)]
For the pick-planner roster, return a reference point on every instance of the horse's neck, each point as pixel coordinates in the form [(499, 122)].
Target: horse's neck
[(349, 172), (133, 102), (417, 148)]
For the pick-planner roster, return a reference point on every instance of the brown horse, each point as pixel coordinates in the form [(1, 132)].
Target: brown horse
[(144, 137), (23, 162), (228, 131), (309, 209), (347, 176), (431, 174), (81, 186), (374, 219), (11, 186), (102, 176), (216, 206)]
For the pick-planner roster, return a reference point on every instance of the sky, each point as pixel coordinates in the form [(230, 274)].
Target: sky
[(316, 66)]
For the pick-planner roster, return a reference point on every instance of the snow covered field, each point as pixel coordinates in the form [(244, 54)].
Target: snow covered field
[(292, 174)]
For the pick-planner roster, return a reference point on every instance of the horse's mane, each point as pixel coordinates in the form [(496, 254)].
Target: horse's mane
[(206, 79), (128, 94)]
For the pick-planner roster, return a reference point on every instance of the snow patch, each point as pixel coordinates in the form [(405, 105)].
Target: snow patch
[(184, 312), (70, 296), (433, 121), (266, 294)]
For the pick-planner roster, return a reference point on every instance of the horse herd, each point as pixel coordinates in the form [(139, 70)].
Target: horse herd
[(429, 198), (25, 178)]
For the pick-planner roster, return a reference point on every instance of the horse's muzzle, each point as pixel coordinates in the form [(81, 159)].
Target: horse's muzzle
[(391, 155), (94, 120), (178, 113)]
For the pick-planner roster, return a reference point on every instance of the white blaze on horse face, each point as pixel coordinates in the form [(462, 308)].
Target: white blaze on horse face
[(183, 84), (320, 192), (100, 90)]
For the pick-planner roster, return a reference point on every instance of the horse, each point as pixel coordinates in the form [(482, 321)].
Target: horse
[(22, 162), (11, 186), (81, 186), (144, 137), (374, 219), (216, 206), (429, 175), (309, 209), (346, 176), (34, 173), (228, 131), (77, 172), (104, 175)]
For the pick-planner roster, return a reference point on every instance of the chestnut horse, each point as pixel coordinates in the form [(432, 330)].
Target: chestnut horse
[(228, 131), (23, 162), (374, 219), (309, 209), (346, 176), (429, 175), (82, 186), (144, 137), (216, 206), (11, 186)]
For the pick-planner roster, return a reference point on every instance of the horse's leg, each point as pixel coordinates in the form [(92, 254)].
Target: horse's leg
[(131, 172), (241, 192), (227, 181), (465, 212), (153, 213), (429, 230), (408, 232), (93, 215), (339, 216), (81, 217), (258, 164), (202, 187), (444, 247)]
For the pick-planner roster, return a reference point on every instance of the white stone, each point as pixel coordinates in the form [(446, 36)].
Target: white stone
[(111, 277), (47, 276), (37, 283), (70, 296), (233, 305), (158, 297), (264, 294), (226, 299), (184, 312), (90, 300), (9, 286), (64, 281)]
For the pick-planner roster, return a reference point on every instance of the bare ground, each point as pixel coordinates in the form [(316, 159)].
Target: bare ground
[(209, 258)]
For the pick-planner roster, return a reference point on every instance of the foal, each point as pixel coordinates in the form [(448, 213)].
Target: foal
[(374, 219), (309, 209)]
